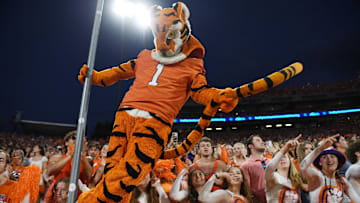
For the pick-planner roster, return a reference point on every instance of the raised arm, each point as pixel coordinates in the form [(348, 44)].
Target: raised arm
[(312, 175), (109, 76), (176, 193), (194, 136), (206, 195), (228, 98), (270, 179), (56, 163)]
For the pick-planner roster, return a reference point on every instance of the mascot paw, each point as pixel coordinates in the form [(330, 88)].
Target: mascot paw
[(228, 100), (82, 74)]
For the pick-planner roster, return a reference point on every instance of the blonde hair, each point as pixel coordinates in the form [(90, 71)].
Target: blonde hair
[(241, 145), (293, 174)]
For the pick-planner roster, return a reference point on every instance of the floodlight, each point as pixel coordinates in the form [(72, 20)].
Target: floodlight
[(134, 11)]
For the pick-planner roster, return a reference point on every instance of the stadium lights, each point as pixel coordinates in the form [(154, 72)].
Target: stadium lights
[(135, 11), (278, 125), (218, 128), (208, 129), (288, 124), (234, 128), (268, 126)]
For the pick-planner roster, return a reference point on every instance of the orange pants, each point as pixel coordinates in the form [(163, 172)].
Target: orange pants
[(135, 146)]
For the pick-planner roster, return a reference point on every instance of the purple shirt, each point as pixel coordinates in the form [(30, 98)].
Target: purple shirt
[(254, 172)]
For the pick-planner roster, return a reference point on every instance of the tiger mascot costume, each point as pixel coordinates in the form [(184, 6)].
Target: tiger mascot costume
[(164, 79)]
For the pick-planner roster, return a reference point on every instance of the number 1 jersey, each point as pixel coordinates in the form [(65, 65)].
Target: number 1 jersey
[(162, 88)]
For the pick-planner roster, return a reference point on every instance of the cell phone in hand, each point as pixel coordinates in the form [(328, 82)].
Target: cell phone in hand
[(175, 137), (269, 143)]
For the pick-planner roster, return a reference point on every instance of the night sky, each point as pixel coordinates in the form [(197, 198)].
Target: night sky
[(44, 44)]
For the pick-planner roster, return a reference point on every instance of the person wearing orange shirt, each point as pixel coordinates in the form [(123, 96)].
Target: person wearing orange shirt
[(99, 166), (59, 165), (207, 162), (25, 190)]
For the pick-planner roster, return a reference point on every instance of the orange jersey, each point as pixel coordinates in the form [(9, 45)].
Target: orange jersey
[(96, 165), (159, 88), (6, 189)]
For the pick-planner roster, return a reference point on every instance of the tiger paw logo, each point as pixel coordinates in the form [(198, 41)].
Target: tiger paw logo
[(334, 195), (288, 195)]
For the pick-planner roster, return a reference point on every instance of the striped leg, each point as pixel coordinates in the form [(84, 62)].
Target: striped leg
[(143, 149), (123, 126)]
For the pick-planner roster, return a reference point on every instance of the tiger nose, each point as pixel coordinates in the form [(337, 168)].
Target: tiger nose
[(162, 46)]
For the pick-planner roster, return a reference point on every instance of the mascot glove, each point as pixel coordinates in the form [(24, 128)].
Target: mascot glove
[(82, 75), (227, 99)]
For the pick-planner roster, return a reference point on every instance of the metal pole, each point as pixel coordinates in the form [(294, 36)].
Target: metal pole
[(75, 169)]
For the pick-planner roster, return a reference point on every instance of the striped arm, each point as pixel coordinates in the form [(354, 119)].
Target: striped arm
[(109, 76), (269, 81), (195, 135)]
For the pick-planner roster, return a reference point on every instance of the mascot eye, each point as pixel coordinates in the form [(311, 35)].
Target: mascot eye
[(171, 35)]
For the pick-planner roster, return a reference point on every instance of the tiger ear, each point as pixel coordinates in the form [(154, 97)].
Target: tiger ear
[(154, 9), (181, 10)]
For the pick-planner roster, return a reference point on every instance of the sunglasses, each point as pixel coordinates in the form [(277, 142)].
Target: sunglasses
[(73, 138)]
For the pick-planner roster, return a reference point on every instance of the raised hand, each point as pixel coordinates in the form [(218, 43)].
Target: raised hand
[(291, 144), (328, 142)]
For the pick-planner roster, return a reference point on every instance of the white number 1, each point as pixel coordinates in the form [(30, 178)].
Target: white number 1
[(159, 69)]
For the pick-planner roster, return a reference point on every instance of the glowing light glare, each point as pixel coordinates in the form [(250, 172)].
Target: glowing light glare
[(135, 11), (142, 15), (124, 8)]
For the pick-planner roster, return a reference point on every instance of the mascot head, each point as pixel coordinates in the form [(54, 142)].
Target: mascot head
[(171, 30)]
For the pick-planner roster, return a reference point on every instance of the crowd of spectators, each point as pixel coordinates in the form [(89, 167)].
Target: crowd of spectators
[(219, 154)]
